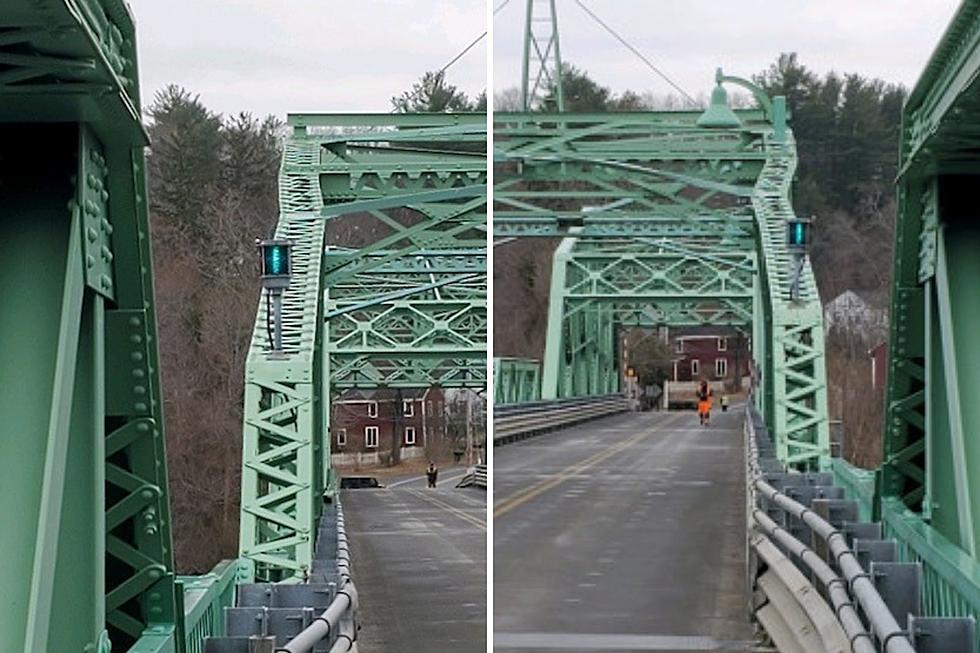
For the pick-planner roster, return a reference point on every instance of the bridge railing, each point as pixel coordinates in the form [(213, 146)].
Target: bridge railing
[(516, 380), (518, 421), (950, 578), (893, 585), (858, 484), (202, 601)]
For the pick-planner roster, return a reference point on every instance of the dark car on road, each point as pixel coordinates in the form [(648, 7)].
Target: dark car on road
[(359, 482)]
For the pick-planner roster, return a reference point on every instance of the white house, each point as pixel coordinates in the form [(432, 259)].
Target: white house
[(858, 311)]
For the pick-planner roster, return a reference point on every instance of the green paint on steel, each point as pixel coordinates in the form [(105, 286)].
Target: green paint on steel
[(407, 309), (516, 380), (667, 223), (928, 482), (541, 73), (91, 559)]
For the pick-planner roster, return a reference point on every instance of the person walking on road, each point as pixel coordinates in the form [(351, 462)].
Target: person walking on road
[(704, 403), (432, 474), (724, 403)]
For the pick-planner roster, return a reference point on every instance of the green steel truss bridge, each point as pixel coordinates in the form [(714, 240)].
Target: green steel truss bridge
[(680, 218), (86, 538), (668, 222), (406, 311)]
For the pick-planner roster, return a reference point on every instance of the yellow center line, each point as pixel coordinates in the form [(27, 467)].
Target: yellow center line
[(523, 496), (479, 523)]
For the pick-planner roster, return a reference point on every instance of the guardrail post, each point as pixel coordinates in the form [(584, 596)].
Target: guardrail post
[(943, 634), (900, 587), (260, 644)]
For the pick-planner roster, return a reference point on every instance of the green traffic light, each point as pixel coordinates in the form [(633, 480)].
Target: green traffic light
[(276, 260), (798, 236)]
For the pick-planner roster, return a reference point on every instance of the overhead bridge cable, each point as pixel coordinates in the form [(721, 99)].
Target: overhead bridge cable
[(639, 54), (462, 53)]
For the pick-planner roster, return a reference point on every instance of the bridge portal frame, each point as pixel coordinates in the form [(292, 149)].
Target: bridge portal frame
[(653, 192), (405, 307)]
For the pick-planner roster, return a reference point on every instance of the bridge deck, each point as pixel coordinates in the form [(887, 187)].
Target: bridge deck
[(594, 529), (420, 560)]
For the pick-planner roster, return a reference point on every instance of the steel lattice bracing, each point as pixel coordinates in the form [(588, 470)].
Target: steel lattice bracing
[(931, 468), (88, 555), (541, 78), (405, 307), (666, 223)]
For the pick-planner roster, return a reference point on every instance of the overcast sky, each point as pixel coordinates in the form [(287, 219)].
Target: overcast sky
[(280, 56), (688, 39), (277, 56)]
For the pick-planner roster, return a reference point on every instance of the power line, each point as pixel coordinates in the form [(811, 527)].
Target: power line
[(500, 7), (441, 71), (463, 52), (639, 54)]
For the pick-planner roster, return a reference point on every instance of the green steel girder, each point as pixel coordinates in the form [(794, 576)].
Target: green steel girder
[(931, 455), (84, 459), (406, 310), (516, 381), (667, 223)]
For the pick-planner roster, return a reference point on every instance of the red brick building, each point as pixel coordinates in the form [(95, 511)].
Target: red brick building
[(716, 354), (365, 425)]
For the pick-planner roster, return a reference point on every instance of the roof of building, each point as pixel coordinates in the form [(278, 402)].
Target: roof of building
[(873, 297), (704, 331), (382, 394)]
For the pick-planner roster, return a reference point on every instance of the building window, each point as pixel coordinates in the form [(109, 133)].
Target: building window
[(408, 408), (372, 409), (341, 437), (409, 435), (429, 408), (722, 344), (371, 437), (695, 367), (680, 346), (721, 367)]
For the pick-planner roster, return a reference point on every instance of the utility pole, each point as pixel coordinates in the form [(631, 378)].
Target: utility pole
[(397, 428), (469, 429)]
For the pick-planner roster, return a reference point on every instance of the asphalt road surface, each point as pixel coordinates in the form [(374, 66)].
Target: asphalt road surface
[(622, 534), (419, 562)]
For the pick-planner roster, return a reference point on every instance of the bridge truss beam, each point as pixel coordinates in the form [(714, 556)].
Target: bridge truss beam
[(387, 215), (89, 558), (931, 454), (666, 223)]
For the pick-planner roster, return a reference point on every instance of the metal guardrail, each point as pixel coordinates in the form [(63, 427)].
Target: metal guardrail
[(476, 476), (518, 421), (340, 615), (202, 602), (854, 568), (316, 616)]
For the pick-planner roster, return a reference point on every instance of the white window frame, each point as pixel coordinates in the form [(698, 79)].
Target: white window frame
[(679, 348), (408, 408), (409, 435), (722, 344), (695, 367), (341, 437), (372, 409), (719, 364), (370, 431)]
